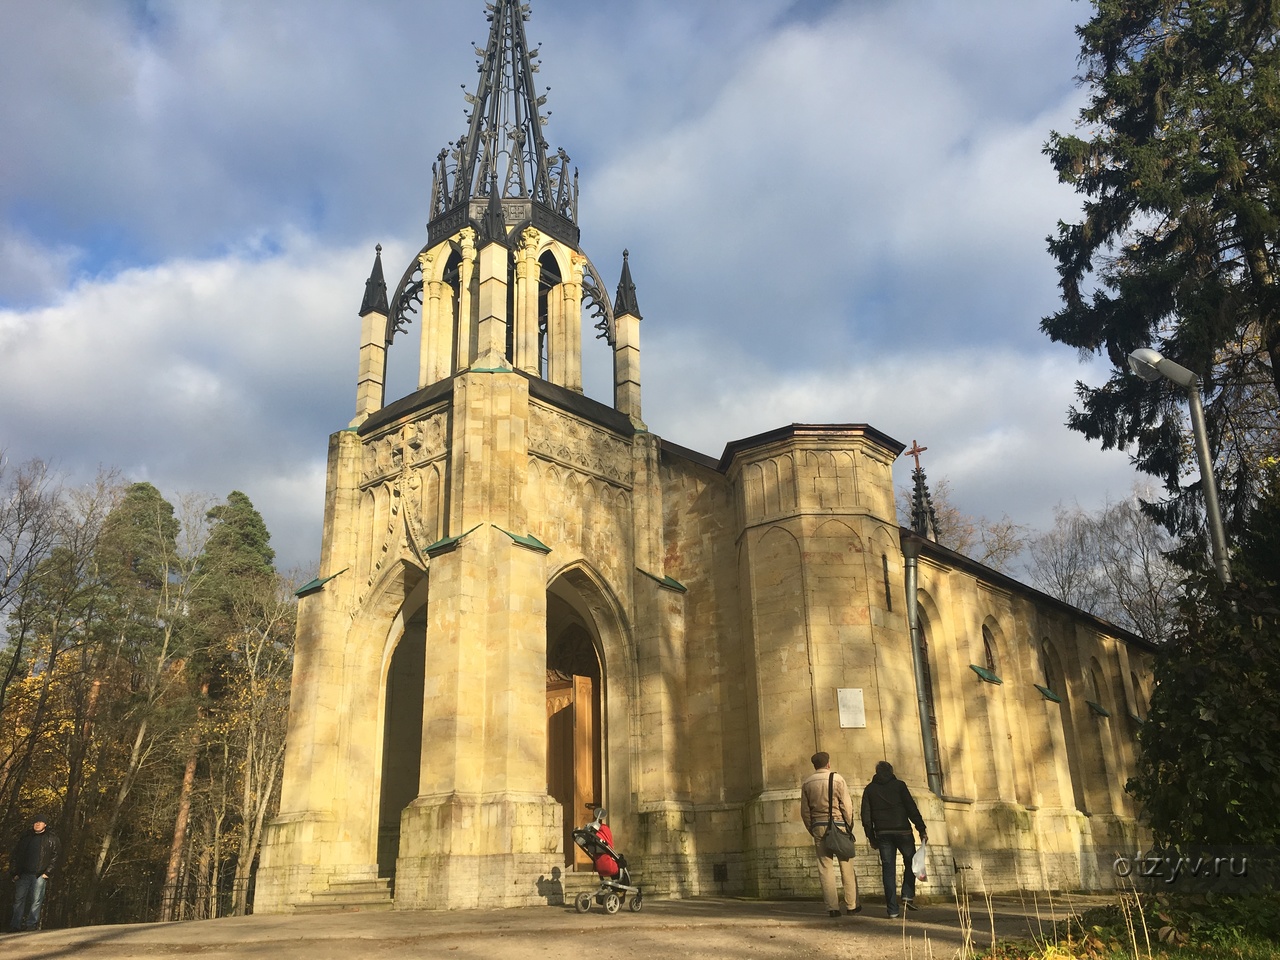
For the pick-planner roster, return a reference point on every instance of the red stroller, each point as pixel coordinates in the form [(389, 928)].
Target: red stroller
[(596, 839)]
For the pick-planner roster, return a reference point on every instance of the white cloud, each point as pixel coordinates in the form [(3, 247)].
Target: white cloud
[(197, 375), (831, 206)]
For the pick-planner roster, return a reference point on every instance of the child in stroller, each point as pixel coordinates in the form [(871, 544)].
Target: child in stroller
[(596, 840)]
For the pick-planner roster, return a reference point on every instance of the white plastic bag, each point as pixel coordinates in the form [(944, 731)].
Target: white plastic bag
[(917, 862)]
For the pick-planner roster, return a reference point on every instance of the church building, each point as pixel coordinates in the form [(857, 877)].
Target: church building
[(529, 603)]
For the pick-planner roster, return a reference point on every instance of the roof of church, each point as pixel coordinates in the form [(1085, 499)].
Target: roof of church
[(375, 288), (504, 145), (814, 430), (994, 578)]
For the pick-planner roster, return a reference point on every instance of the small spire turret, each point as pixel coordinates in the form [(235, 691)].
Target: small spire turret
[(625, 303), (375, 288)]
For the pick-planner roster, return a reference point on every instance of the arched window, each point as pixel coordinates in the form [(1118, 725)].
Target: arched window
[(989, 651), (930, 704), (1139, 701), (888, 594)]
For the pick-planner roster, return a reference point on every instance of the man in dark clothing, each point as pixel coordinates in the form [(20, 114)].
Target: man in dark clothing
[(888, 811), (32, 861)]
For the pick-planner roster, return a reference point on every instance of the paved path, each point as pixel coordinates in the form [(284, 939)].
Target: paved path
[(698, 929)]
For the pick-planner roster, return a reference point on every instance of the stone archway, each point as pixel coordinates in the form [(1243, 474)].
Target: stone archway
[(401, 737), (575, 700)]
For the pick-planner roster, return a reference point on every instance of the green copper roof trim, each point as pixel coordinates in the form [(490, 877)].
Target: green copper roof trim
[(316, 585), (1136, 719), (490, 370), (529, 540), (1098, 708), (671, 583), (448, 543), (985, 674), (1048, 694)]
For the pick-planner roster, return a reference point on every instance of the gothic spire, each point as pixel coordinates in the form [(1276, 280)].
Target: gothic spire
[(625, 303), (375, 288), (504, 143)]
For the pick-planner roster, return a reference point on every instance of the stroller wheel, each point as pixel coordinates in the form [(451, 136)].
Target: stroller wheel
[(637, 903), (612, 903), (583, 903)]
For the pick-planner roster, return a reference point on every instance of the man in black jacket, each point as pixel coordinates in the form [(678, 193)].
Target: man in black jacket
[(888, 811), (32, 861)]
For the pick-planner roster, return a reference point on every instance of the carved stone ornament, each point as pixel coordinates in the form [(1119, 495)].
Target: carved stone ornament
[(579, 445), (412, 444), (420, 538)]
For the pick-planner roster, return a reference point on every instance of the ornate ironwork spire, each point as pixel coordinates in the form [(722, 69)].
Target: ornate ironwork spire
[(504, 145), (924, 521)]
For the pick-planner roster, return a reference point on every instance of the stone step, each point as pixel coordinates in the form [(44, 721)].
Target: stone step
[(366, 894)]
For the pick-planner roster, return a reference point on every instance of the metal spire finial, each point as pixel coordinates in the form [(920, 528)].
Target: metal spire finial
[(504, 144)]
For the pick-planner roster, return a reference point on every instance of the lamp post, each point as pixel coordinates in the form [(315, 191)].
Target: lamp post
[(1149, 365)]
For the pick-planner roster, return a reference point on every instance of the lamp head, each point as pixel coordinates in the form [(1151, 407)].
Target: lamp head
[(1144, 363), (1149, 365)]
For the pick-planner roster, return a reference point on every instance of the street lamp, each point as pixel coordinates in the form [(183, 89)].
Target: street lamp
[(1150, 366)]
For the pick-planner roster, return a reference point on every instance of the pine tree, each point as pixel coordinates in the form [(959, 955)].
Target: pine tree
[(1179, 163)]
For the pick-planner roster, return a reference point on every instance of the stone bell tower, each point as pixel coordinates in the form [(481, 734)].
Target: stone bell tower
[(481, 539)]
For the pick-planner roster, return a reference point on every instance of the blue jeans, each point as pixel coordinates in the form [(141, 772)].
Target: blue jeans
[(890, 845), (29, 885)]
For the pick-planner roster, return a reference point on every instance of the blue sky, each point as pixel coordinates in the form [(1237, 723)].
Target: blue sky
[(836, 212)]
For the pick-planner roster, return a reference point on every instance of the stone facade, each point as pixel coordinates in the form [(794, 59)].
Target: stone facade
[(497, 536)]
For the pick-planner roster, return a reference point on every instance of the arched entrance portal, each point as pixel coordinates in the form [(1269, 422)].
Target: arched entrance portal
[(575, 694), (401, 738)]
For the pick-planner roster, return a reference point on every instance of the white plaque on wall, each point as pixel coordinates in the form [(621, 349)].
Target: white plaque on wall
[(852, 711)]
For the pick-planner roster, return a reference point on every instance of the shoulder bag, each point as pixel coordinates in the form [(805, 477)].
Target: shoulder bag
[(836, 842)]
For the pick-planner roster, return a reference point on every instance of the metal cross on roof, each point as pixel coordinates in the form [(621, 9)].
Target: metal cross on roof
[(915, 452)]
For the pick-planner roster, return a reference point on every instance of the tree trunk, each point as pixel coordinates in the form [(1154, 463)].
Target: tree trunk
[(136, 756), (169, 903)]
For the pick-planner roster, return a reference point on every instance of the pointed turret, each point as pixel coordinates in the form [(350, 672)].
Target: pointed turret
[(374, 337), (504, 149), (626, 346), (375, 288), (625, 303)]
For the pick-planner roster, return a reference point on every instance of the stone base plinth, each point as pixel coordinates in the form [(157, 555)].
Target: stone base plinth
[(458, 852)]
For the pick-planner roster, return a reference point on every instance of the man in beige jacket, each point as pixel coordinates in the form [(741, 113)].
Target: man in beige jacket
[(814, 803)]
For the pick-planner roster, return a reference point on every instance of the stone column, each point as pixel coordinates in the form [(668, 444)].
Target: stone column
[(437, 323), (491, 343), (483, 829), (626, 366), (465, 348), (308, 842), (573, 323), (373, 365), (528, 272)]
